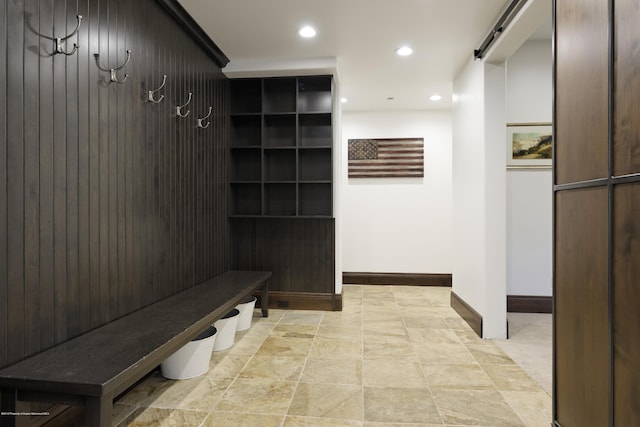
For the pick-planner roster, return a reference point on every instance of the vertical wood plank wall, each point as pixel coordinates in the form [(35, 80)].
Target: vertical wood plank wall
[(597, 213), (107, 202), (300, 252)]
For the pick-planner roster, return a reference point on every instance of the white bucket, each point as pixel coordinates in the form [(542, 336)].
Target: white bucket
[(226, 327), (245, 308), (192, 360)]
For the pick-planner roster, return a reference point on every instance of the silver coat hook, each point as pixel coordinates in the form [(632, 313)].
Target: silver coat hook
[(200, 125), (113, 77), (180, 107), (152, 92), (61, 41)]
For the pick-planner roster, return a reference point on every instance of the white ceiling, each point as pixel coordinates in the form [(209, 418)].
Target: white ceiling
[(356, 39)]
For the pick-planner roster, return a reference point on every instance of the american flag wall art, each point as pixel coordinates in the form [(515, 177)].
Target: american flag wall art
[(386, 157)]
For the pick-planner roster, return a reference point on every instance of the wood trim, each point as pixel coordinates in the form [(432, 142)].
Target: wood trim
[(529, 304), (412, 279), (304, 301), (472, 317), (195, 31)]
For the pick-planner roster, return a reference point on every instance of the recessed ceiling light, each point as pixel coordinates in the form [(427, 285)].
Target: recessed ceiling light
[(343, 100), (435, 97), (390, 98), (404, 51), (307, 32)]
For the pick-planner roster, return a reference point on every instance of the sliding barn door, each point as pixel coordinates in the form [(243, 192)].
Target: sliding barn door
[(597, 213)]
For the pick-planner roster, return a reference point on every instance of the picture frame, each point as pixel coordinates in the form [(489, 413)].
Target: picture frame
[(529, 145), (386, 158)]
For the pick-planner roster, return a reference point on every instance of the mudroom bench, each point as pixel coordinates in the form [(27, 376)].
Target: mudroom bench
[(94, 368)]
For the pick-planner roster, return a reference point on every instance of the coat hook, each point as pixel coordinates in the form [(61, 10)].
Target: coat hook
[(113, 77), (200, 125), (180, 107), (152, 92), (61, 41)]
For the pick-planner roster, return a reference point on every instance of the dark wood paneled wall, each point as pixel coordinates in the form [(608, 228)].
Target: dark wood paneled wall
[(597, 213), (107, 202), (300, 252)]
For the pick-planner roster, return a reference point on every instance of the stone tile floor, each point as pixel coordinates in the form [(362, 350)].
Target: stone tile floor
[(530, 345), (395, 356)]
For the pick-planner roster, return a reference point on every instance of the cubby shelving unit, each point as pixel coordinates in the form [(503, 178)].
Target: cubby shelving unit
[(281, 147)]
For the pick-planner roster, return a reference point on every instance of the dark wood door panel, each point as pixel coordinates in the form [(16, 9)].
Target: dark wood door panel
[(627, 87), (581, 347), (581, 92), (626, 297)]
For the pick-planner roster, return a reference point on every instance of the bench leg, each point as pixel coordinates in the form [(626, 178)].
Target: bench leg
[(11, 408), (264, 300), (97, 411)]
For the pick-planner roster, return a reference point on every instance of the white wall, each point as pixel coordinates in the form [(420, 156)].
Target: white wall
[(529, 83), (529, 191), (468, 172), (398, 225), (479, 193)]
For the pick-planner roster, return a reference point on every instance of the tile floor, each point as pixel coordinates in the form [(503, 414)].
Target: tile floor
[(530, 345), (395, 356)]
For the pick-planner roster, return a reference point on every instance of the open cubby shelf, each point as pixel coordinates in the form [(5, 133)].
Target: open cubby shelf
[(245, 199), (280, 199), (247, 96), (314, 95), (314, 165), (282, 147), (246, 130), (279, 95), (314, 199), (279, 130), (315, 130), (246, 164)]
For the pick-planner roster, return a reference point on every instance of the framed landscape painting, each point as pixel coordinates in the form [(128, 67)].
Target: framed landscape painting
[(529, 145)]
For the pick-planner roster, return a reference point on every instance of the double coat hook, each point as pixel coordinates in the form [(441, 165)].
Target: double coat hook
[(113, 76), (62, 41), (200, 121), (152, 92)]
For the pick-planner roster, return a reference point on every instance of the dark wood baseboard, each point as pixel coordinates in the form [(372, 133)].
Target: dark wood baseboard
[(305, 301), (472, 317), (529, 304), (414, 279)]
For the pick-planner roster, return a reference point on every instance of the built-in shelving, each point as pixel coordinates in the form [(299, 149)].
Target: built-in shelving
[(281, 147)]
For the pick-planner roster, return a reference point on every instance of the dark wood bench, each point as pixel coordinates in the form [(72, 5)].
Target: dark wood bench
[(94, 368)]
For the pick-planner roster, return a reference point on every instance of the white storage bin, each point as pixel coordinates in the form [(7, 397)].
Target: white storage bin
[(226, 326), (192, 360), (246, 308)]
